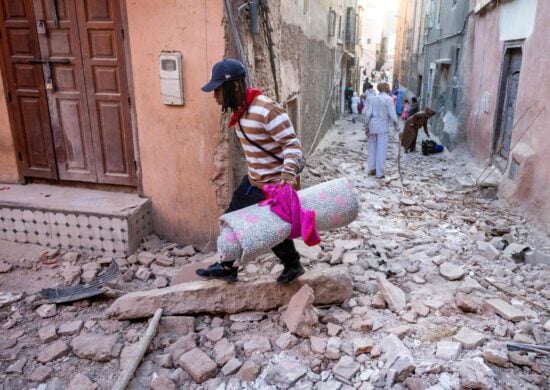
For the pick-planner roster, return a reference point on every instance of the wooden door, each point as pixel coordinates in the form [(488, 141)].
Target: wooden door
[(74, 51), (60, 51), (509, 103), (100, 29), (26, 89)]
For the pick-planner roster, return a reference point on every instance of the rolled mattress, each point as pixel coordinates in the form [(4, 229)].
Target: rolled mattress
[(254, 230)]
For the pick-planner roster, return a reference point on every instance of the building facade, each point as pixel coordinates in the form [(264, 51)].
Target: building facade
[(480, 64), (104, 95)]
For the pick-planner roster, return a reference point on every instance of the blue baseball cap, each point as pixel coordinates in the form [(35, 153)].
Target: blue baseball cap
[(225, 70)]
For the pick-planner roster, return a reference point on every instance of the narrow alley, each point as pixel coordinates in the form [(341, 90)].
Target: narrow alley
[(274, 194), (461, 284)]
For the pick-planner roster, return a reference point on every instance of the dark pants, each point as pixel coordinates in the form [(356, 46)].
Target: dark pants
[(246, 195)]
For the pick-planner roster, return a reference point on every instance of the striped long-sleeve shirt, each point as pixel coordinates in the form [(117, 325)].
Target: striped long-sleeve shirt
[(267, 124)]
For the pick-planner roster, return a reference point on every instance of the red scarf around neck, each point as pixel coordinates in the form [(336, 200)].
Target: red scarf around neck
[(250, 95)]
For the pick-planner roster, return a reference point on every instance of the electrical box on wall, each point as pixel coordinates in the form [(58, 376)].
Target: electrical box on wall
[(171, 78)]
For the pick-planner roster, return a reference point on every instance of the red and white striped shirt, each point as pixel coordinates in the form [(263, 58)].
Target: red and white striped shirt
[(267, 124)]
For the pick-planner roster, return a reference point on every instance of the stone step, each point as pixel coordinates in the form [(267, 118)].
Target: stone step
[(330, 286), (99, 222)]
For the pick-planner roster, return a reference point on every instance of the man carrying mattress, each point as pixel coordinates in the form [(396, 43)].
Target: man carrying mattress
[(272, 150)]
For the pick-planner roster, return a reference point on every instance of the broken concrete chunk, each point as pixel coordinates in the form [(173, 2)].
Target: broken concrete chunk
[(286, 340), (505, 310), (182, 345), (397, 357), (499, 358), (333, 348), (162, 382), (46, 311), (318, 344), (231, 367), (145, 258), (285, 373), (143, 274), (7, 298), (248, 371), (70, 328), (177, 325), (224, 351), (81, 382), (469, 338), (329, 286), (448, 350), (474, 374), (345, 369), (247, 316), (53, 351), (451, 271), (17, 367), (40, 374), (198, 365), (256, 344), (362, 345), (47, 333), (393, 295), (300, 316), (95, 347)]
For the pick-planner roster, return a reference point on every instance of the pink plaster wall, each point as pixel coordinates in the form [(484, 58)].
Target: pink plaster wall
[(9, 172), (177, 144), (531, 190)]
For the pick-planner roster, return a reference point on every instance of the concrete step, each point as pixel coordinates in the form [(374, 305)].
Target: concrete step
[(100, 222)]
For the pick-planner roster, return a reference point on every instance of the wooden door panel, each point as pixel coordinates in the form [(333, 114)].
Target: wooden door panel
[(67, 99), (104, 69), (29, 108)]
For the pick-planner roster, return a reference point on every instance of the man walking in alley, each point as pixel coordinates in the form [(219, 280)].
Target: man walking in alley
[(412, 125), (380, 113), (272, 150)]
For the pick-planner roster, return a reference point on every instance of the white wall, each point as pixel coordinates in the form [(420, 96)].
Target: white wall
[(517, 19)]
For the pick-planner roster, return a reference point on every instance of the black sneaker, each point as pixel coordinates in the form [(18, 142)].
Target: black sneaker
[(290, 273), (219, 271)]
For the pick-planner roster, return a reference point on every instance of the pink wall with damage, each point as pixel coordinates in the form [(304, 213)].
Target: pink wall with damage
[(177, 144), (530, 136)]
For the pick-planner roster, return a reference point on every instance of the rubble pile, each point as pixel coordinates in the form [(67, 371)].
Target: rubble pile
[(442, 278)]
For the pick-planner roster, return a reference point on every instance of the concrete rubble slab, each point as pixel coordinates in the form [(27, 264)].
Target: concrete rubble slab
[(329, 286), (393, 295), (505, 310), (469, 338), (300, 317)]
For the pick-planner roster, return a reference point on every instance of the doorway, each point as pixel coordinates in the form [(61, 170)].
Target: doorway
[(508, 91), (64, 63)]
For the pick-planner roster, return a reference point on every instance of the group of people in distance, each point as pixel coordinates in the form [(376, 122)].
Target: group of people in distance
[(380, 113)]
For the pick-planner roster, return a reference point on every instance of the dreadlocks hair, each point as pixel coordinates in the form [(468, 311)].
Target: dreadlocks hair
[(233, 95)]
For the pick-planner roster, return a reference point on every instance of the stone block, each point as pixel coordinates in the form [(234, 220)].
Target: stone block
[(505, 310), (329, 286), (393, 295), (198, 365)]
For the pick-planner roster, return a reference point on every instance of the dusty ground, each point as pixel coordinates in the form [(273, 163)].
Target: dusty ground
[(412, 234)]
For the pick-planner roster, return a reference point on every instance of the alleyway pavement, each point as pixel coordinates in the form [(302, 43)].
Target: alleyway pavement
[(444, 276)]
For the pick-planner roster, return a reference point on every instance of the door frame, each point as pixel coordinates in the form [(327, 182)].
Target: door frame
[(501, 97), (132, 109)]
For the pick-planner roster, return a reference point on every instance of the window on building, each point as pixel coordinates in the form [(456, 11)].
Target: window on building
[(368, 41), (456, 61), (439, 14), (349, 38), (340, 29), (306, 6), (331, 23)]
